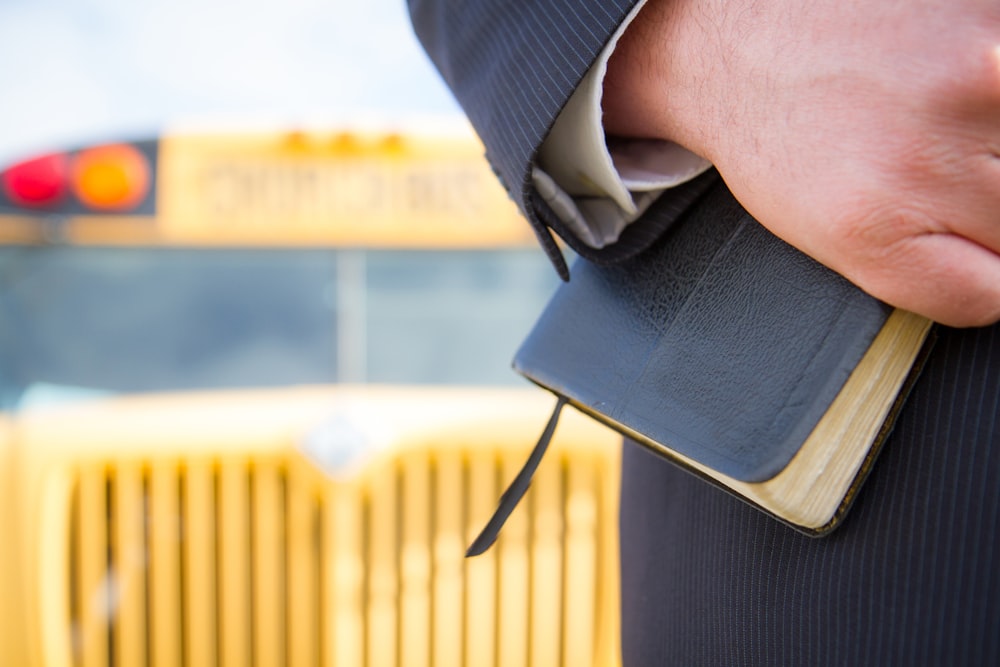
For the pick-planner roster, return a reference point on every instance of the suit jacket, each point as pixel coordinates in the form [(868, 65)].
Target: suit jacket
[(911, 578), (513, 65)]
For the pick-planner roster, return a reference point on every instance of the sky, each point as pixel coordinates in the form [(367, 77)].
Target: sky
[(80, 71)]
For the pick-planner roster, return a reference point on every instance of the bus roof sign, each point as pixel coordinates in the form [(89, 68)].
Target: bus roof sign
[(343, 188)]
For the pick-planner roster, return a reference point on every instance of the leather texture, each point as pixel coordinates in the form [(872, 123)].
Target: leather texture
[(721, 342)]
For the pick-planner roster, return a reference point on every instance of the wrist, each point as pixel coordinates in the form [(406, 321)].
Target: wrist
[(651, 88)]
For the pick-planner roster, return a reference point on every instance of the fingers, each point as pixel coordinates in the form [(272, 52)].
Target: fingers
[(924, 239), (945, 277), (873, 145), (934, 251), (965, 203)]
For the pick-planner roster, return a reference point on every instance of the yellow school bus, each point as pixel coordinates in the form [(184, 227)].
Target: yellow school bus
[(255, 400)]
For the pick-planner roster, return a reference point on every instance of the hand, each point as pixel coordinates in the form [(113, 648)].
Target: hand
[(866, 134)]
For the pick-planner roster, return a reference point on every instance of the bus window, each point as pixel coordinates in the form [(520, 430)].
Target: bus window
[(122, 320)]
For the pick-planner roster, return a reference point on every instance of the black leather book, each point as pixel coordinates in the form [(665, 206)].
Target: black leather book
[(729, 352)]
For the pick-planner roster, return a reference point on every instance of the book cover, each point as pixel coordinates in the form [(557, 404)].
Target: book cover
[(727, 351)]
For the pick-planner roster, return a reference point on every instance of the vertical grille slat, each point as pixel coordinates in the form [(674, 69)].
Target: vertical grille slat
[(481, 571), (547, 526), (344, 595), (512, 623), (303, 574), (259, 563), (415, 563), (200, 614), (447, 618), (91, 570), (267, 555), (383, 571), (580, 565), (234, 567), (164, 567), (127, 570)]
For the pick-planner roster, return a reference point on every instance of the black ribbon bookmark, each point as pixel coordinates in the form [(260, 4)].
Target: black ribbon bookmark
[(512, 496)]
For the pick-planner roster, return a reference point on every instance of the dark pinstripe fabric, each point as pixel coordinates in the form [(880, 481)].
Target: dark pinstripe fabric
[(911, 578), (512, 65)]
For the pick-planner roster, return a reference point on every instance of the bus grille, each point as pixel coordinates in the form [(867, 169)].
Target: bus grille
[(248, 562)]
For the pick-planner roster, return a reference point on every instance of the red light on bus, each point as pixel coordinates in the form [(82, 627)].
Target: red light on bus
[(38, 182), (112, 177)]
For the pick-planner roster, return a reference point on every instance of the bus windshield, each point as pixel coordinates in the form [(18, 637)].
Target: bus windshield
[(83, 321)]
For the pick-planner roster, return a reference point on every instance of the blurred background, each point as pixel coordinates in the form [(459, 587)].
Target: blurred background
[(79, 73), (75, 71), (255, 384)]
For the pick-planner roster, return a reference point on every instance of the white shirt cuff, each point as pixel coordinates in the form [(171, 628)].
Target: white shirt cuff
[(596, 185)]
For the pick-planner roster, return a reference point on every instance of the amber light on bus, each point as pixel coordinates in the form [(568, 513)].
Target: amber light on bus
[(112, 177), (39, 182)]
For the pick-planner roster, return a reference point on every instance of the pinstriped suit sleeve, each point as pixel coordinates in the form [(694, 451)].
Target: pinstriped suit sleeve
[(512, 65)]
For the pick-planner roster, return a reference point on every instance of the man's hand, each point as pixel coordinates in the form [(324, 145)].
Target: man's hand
[(867, 134)]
